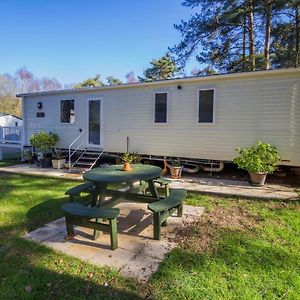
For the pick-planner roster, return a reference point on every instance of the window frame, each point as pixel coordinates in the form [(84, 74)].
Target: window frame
[(153, 108), (198, 106), (60, 103)]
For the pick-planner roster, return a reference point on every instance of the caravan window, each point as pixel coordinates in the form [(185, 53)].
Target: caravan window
[(206, 106), (160, 108), (67, 111)]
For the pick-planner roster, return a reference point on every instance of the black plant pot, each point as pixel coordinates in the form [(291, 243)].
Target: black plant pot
[(46, 162)]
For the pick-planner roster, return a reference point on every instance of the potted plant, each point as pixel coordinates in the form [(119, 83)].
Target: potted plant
[(127, 159), (44, 142), (58, 162), (175, 169), (27, 156), (259, 160)]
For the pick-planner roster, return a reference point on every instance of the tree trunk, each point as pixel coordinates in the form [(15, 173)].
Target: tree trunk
[(244, 43), (297, 34), (267, 34), (251, 35)]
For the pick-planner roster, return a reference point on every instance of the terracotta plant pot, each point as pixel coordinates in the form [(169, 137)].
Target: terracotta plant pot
[(258, 179), (127, 167), (175, 172)]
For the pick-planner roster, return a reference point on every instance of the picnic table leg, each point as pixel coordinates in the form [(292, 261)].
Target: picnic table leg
[(180, 211), (113, 234), (94, 198), (153, 189), (70, 228), (157, 226), (101, 188)]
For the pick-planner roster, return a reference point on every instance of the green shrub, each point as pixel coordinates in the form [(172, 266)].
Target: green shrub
[(44, 141), (259, 158)]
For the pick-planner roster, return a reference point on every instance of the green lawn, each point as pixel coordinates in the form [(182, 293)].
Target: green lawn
[(239, 249), (9, 162)]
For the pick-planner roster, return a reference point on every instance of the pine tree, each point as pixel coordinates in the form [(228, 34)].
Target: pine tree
[(163, 68), (286, 36), (239, 35), (113, 81), (90, 82)]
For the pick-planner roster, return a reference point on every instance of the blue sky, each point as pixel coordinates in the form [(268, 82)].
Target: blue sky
[(73, 40)]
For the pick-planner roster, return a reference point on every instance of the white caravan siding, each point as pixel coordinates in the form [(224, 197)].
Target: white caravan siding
[(247, 109)]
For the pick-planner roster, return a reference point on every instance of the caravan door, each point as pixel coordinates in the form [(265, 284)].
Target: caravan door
[(94, 122)]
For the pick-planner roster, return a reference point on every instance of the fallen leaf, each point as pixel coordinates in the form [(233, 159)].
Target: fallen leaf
[(28, 288)]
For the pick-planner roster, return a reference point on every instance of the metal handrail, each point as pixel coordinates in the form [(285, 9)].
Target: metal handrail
[(70, 155)]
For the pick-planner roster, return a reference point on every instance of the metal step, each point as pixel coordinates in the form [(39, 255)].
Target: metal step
[(88, 158), (81, 163), (96, 149), (92, 153)]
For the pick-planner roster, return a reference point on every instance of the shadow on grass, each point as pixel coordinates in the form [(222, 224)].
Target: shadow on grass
[(47, 211), (30, 271)]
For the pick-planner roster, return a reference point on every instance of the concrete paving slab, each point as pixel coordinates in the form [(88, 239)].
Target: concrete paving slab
[(58, 242), (85, 251), (140, 267), (34, 170), (59, 224), (115, 259), (196, 211), (42, 234), (234, 188), (138, 254), (157, 249)]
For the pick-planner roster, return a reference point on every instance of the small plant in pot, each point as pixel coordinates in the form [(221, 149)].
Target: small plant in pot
[(127, 159), (259, 160), (175, 169), (58, 162), (43, 143)]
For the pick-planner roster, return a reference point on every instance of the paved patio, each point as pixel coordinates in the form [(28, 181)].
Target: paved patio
[(31, 169), (138, 255), (235, 188), (193, 184)]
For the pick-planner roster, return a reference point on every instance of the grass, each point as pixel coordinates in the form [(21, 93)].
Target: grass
[(9, 162), (239, 249)]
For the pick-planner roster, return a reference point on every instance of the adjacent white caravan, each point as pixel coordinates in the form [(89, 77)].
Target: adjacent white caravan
[(7, 120), (203, 118)]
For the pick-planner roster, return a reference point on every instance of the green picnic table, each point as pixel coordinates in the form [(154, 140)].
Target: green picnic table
[(109, 175), (104, 184)]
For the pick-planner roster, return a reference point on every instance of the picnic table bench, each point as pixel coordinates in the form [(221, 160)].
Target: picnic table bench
[(87, 187), (164, 208), (81, 215)]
